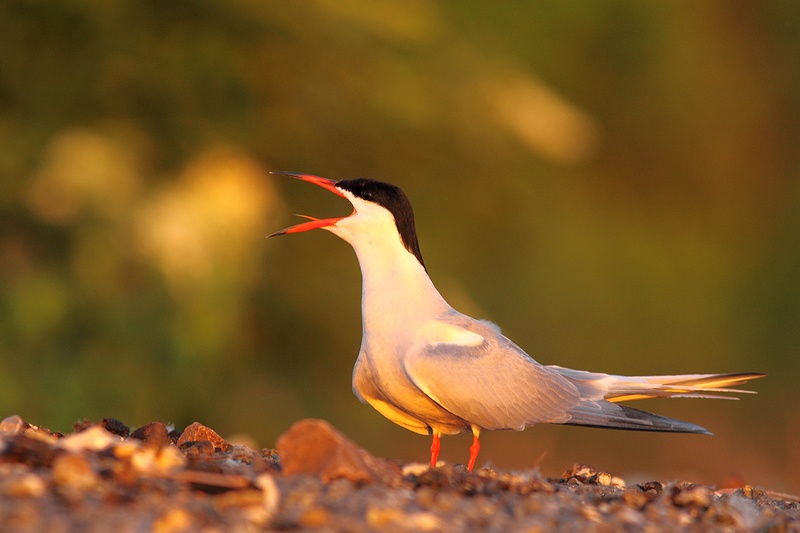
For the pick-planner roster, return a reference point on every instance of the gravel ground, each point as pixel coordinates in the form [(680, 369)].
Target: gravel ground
[(105, 477)]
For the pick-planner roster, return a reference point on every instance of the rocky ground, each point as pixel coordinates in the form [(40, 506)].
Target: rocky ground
[(105, 477)]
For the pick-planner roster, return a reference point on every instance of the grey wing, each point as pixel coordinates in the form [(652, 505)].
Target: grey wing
[(492, 384)]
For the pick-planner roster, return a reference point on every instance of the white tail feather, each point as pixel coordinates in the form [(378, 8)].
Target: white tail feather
[(625, 388)]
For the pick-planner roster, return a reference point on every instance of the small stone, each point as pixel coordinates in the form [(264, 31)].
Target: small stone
[(195, 449), (95, 438), (436, 478), (12, 425), (152, 460), (695, 495), (27, 450), (618, 482), (315, 447), (18, 481), (74, 474), (415, 469), (634, 497), (753, 493), (125, 449), (112, 425), (603, 478), (82, 425), (41, 434), (169, 458), (154, 434), (587, 474), (198, 432), (245, 455), (271, 459)]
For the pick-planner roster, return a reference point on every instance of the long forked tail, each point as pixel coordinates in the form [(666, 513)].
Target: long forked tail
[(603, 392), (624, 389)]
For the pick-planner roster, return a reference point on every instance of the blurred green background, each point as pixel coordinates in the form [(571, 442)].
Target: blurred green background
[(616, 184)]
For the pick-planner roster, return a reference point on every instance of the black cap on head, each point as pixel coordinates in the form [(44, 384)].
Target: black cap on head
[(395, 201)]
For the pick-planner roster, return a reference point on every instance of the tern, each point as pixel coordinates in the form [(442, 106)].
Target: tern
[(435, 371)]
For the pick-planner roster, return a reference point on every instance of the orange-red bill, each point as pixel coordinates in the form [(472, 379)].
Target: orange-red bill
[(313, 223), (325, 183)]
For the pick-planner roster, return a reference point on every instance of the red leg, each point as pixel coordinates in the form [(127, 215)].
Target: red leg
[(435, 447), (474, 449)]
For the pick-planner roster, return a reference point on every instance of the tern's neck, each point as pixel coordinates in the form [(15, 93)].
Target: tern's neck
[(396, 287)]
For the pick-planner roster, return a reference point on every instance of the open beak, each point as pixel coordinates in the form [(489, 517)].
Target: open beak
[(313, 223)]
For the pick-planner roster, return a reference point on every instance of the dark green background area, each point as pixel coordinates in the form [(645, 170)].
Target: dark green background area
[(616, 184)]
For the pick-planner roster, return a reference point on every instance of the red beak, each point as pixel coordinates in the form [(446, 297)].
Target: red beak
[(313, 223)]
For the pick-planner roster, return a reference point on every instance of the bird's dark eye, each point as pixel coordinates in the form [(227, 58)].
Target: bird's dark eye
[(367, 196)]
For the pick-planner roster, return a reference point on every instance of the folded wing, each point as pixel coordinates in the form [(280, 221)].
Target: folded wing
[(485, 379)]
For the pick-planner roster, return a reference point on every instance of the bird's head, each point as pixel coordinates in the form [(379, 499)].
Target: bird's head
[(381, 211)]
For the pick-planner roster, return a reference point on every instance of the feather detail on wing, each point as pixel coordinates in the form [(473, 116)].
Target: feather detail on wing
[(494, 384)]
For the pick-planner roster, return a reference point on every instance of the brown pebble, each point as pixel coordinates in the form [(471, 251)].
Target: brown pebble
[(586, 474), (82, 425), (18, 481), (634, 497), (695, 495), (154, 434), (74, 474), (147, 458), (197, 448), (245, 455), (753, 493), (654, 486), (314, 447), (198, 432), (26, 450), (112, 425)]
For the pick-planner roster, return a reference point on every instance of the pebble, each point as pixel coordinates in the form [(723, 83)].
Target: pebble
[(12, 425), (314, 447), (95, 438), (696, 495), (17, 481), (197, 432), (580, 473), (74, 475), (154, 434)]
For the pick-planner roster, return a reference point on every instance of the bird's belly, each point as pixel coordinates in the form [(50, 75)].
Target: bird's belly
[(394, 396)]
